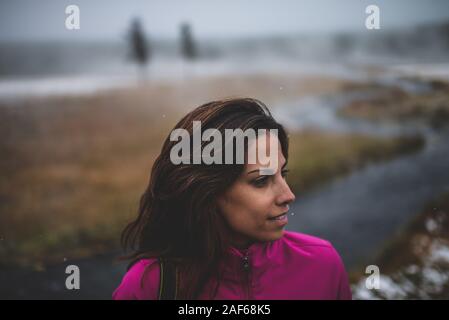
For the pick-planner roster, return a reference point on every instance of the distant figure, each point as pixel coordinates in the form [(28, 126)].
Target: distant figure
[(140, 51), (188, 49)]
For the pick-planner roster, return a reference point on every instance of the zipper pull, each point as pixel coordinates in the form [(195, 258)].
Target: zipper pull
[(246, 275), (246, 262)]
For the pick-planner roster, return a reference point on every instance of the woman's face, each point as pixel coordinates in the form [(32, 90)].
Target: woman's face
[(250, 204)]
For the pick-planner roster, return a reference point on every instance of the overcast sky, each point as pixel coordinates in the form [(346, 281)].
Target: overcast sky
[(109, 19)]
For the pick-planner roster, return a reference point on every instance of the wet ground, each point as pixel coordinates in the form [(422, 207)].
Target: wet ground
[(357, 213), (99, 276), (361, 211)]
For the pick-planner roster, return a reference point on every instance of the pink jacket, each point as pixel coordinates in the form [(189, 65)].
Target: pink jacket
[(296, 266)]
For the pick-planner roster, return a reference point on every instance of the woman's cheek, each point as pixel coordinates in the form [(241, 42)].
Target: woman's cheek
[(257, 195)]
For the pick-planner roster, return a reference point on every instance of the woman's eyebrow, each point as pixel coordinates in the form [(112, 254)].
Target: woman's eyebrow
[(285, 163)]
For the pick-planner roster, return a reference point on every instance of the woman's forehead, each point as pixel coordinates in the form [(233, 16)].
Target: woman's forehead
[(253, 166)]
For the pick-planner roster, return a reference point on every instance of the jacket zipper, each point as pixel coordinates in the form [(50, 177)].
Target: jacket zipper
[(247, 269)]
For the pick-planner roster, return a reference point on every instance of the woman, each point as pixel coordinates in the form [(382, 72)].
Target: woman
[(222, 225)]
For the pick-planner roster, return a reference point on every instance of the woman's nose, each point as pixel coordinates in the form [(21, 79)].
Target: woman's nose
[(286, 195)]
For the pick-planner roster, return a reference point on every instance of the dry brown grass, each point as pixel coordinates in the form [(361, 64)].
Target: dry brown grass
[(317, 157), (72, 169), (394, 104)]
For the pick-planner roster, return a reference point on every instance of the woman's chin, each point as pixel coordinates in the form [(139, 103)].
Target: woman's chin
[(275, 235)]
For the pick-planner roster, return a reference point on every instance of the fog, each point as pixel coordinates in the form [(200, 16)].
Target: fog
[(101, 19)]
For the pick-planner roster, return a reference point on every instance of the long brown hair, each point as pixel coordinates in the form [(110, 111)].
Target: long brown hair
[(178, 217)]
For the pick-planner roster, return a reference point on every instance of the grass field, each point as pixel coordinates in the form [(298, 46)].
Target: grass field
[(73, 169)]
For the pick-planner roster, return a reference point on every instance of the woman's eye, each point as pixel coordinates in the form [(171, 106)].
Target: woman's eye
[(263, 180), (260, 182)]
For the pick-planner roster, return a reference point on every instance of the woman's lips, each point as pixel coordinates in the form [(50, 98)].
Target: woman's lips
[(278, 217), (280, 220)]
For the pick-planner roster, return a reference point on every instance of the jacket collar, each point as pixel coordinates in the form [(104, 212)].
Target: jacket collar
[(258, 258)]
